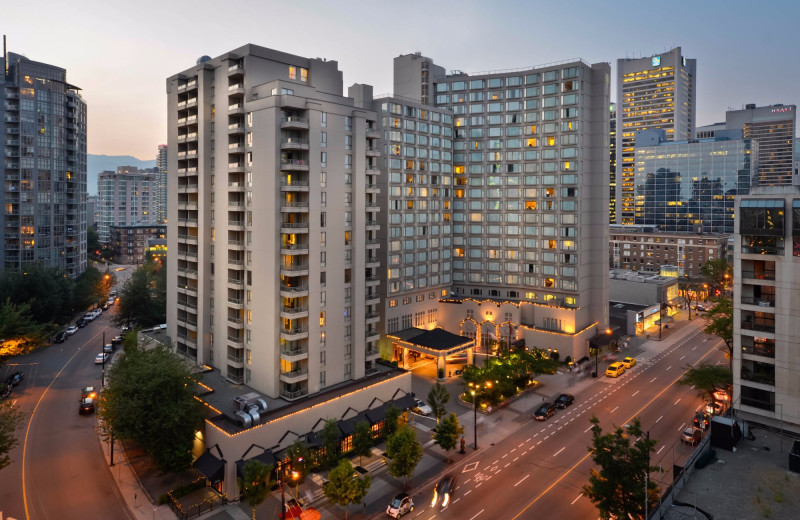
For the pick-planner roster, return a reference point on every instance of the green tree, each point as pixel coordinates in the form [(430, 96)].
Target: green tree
[(10, 418), (255, 483), (47, 291), (707, 379), (717, 272), (689, 289), (344, 487), (404, 451), (362, 440), (617, 487), (447, 434), (92, 241), (391, 421), (330, 441), (719, 322), (510, 373), (300, 457), (143, 297), (150, 399), (437, 399), (19, 331)]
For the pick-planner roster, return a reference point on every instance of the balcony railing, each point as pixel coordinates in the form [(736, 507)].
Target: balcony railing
[(760, 301), (294, 289), (293, 350), (296, 394), (295, 330), (759, 275), (295, 373), (294, 310), (760, 349), (761, 327)]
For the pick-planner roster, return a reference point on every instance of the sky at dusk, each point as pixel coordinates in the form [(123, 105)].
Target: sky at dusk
[(121, 52)]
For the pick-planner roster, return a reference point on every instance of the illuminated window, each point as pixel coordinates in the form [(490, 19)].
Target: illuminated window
[(459, 252), (551, 141), (321, 318), (304, 75), (531, 142), (530, 205), (292, 72)]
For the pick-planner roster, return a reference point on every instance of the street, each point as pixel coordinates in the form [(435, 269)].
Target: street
[(58, 470), (538, 470)]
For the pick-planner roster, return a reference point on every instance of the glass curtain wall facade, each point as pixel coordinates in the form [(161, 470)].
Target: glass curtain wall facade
[(691, 186)]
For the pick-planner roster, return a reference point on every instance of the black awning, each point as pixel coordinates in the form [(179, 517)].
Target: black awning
[(210, 466), (348, 426), (267, 458), (404, 403), (376, 415)]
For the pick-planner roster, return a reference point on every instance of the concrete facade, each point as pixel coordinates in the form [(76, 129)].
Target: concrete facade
[(127, 197), (269, 219), (130, 244), (766, 306), (657, 92), (161, 190), (43, 125)]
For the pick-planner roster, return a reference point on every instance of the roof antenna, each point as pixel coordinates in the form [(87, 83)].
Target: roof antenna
[(5, 57)]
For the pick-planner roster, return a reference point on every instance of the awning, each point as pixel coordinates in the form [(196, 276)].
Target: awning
[(376, 415), (348, 426), (267, 458), (210, 466), (404, 403)]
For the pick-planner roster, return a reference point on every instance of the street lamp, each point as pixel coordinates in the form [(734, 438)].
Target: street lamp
[(593, 343), (295, 476)]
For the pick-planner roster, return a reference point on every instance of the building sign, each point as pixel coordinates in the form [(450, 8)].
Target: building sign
[(781, 109), (656, 61)]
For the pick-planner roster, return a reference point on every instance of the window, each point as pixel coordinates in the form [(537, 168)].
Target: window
[(292, 72), (304, 75), (323, 119)]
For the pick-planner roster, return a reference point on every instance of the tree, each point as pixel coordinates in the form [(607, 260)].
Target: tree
[(143, 297), (391, 421), (10, 418), (330, 441), (717, 272), (437, 399), (255, 483), (707, 379), (719, 322), (300, 457), (92, 240), (447, 434), (19, 331), (404, 451), (689, 288), (150, 399), (344, 487), (617, 487), (362, 440)]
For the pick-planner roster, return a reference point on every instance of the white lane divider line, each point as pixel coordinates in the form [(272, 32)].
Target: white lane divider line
[(476, 516), (634, 394), (507, 465), (653, 379), (683, 356), (669, 367), (615, 409), (678, 401), (659, 450), (659, 418), (576, 499), (521, 481), (515, 459), (559, 451), (587, 429)]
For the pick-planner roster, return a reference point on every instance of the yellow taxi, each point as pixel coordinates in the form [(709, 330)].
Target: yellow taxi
[(615, 369), (628, 362)]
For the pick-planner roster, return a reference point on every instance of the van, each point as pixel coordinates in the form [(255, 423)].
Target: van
[(615, 369)]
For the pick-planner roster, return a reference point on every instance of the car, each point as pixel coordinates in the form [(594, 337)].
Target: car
[(15, 378), (564, 400), (89, 316), (108, 347), (71, 330), (721, 396), (421, 407), (124, 329), (81, 323), (110, 301), (700, 308), (105, 306), (458, 371), (714, 408), (545, 411), (701, 420), (112, 293), (86, 406), (628, 362), (116, 340), (444, 491), (98, 312), (88, 391), (60, 337), (400, 505), (101, 358), (692, 435), (615, 369)]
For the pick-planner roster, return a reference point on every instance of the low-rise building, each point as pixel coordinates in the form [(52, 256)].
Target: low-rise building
[(645, 249), (129, 244)]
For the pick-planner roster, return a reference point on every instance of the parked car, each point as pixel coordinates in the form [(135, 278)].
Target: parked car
[(615, 369), (701, 420), (71, 330), (545, 411), (112, 293), (89, 316), (564, 400), (15, 378), (101, 358), (81, 323), (60, 337), (628, 362), (692, 435), (400, 505), (5, 391), (444, 491), (87, 406), (458, 371), (105, 306), (714, 408), (97, 312), (110, 301), (88, 391), (108, 347), (116, 340), (421, 407)]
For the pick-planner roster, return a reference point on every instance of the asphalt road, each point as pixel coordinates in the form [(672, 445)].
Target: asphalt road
[(538, 472), (58, 470)]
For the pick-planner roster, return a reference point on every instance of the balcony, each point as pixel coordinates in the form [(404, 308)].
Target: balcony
[(236, 89), (760, 301), (763, 373), (187, 254), (372, 352), (300, 311), (372, 298), (294, 143), (373, 151), (188, 239), (235, 340), (235, 303), (236, 224), (191, 102), (293, 185), (236, 167), (235, 320), (372, 224), (236, 148), (371, 317), (294, 206), (188, 188), (189, 273), (182, 288), (236, 263), (293, 291), (762, 325), (236, 245), (758, 346), (373, 133), (235, 69), (293, 395), (295, 165), (293, 353), (294, 376), (371, 334), (236, 128), (294, 122), (293, 269), (294, 227), (236, 187), (371, 280), (236, 108), (236, 282), (236, 360), (235, 204)]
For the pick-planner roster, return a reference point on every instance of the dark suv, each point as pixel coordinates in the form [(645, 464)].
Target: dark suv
[(564, 400), (545, 411)]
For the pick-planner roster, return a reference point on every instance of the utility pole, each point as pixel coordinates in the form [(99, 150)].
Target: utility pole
[(103, 353)]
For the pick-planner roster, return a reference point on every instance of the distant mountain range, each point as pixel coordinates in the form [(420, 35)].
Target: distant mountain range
[(100, 163)]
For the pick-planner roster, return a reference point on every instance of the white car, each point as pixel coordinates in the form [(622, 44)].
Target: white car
[(71, 330), (421, 407), (89, 316), (101, 358), (98, 312)]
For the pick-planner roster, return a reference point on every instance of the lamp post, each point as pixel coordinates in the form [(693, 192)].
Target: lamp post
[(593, 343), (475, 416), (103, 353), (295, 476)]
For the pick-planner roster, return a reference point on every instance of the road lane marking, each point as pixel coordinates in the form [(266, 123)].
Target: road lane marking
[(559, 451), (659, 418), (615, 409), (659, 450), (682, 427), (653, 379), (576, 499), (456, 500), (476, 516), (678, 401), (515, 459), (669, 367), (468, 492), (507, 465), (587, 429), (634, 394), (520, 445), (683, 356), (538, 443), (521, 481)]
